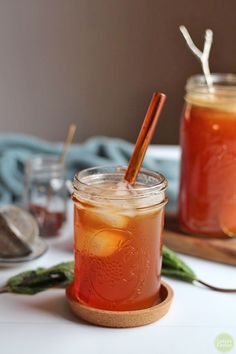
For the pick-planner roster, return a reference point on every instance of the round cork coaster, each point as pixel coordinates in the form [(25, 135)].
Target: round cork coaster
[(125, 319)]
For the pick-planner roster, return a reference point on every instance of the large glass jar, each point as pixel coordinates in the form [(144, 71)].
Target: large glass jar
[(207, 199), (45, 193), (118, 239)]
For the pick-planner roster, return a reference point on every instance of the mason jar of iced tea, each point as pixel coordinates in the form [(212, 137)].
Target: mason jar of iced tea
[(207, 199), (117, 238)]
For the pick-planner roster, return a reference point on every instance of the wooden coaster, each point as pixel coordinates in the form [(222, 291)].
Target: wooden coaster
[(217, 249), (125, 319)]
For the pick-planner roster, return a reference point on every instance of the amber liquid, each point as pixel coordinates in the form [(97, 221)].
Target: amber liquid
[(117, 257), (49, 222), (207, 201)]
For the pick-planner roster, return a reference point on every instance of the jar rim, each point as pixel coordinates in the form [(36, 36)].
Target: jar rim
[(80, 185), (223, 83), (43, 163)]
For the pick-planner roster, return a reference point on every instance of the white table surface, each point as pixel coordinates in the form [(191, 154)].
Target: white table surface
[(43, 323)]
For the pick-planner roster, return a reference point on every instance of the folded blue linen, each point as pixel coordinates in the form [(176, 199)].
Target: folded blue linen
[(16, 149)]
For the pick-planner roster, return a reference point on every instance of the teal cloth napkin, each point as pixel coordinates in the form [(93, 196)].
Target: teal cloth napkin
[(16, 149)]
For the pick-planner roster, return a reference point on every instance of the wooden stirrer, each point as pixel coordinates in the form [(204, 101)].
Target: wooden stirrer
[(67, 142), (145, 136)]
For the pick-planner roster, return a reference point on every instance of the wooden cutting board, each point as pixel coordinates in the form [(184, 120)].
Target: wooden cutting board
[(221, 250)]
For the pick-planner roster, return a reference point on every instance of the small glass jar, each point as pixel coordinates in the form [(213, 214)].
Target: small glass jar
[(45, 193), (117, 239), (207, 198)]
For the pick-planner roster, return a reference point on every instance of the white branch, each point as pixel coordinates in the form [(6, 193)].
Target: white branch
[(189, 42), (202, 56), (207, 43)]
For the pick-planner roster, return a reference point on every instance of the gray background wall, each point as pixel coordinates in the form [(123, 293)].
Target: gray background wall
[(97, 62)]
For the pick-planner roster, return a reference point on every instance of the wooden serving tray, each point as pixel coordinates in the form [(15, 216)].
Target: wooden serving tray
[(221, 250)]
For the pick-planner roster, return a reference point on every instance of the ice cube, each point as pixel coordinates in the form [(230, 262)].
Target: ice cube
[(106, 242), (123, 188), (110, 217), (102, 243)]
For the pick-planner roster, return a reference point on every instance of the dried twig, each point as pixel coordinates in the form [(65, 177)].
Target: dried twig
[(202, 56)]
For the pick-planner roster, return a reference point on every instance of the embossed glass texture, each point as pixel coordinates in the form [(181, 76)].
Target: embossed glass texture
[(118, 239)]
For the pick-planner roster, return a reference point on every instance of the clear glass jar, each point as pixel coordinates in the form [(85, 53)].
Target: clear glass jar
[(45, 193), (117, 238), (207, 198)]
